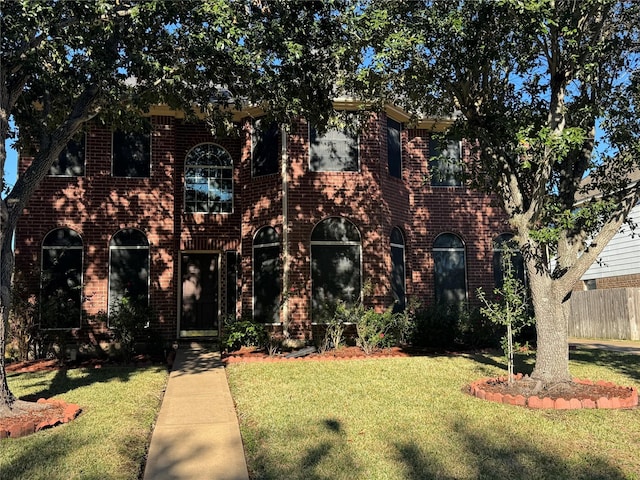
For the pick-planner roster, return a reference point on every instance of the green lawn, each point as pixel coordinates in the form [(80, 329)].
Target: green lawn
[(408, 418), (107, 441)]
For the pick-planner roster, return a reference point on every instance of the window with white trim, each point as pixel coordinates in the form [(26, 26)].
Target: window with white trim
[(267, 280), (208, 180), (450, 269), (445, 163), (398, 274), (335, 266), (334, 151), (128, 268), (70, 162), (61, 280), (131, 155), (504, 245)]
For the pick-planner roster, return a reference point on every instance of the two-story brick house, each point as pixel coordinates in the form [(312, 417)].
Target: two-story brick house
[(274, 224)]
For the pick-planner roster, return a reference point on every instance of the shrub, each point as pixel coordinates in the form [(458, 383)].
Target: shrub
[(128, 320), (23, 327), (445, 326), (333, 335), (375, 330), (245, 332)]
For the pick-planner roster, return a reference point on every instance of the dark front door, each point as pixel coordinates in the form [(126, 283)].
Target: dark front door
[(200, 289)]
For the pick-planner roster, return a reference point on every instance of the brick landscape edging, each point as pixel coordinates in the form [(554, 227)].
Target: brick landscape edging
[(629, 401), (21, 429)]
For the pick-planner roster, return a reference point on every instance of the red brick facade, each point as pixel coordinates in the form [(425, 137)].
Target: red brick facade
[(97, 205)]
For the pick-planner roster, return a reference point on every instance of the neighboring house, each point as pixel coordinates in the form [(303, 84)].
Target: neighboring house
[(274, 226), (619, 263)]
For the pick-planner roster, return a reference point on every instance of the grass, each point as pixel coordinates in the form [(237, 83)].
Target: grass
[(107, 441), (408, 418)]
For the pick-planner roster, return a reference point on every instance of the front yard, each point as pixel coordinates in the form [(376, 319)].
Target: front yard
[(107, 441), (408, 418)]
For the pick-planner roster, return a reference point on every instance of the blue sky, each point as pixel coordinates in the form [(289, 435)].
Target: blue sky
[(11, 164)]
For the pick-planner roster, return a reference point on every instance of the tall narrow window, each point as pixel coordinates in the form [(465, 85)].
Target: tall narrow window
[(398, 275), (267, 281), (450, 269), (503, 247), (335, 151), (232, 282), (265, 152), (445, 164), (70, 162), (128, 268), (394, 150), (335, 266), (61, 280), (208, 178), (131, 154)]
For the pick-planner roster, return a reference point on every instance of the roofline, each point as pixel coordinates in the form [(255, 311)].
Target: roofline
[(435, 124)]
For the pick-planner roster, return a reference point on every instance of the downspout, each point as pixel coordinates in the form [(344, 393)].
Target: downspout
[(284, 174)]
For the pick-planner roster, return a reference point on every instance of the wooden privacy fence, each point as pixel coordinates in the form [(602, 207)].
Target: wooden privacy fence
[(612, 313)]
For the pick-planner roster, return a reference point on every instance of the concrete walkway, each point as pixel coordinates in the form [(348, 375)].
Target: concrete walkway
[(196, 434), (627, 346)]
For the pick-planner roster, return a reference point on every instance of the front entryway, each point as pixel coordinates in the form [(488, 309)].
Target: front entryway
[(200, 291)]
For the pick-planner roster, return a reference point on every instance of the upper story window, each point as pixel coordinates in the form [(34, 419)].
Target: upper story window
[(70, 162), (131, 154), (394, 148), (445, 163), (334, 151), (208, 180), (265, 151)]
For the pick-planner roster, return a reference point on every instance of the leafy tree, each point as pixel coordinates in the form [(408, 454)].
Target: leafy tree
[(548, 92), (64, 63)]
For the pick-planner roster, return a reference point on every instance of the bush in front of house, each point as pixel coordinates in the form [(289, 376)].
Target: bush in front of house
[(242, 332)]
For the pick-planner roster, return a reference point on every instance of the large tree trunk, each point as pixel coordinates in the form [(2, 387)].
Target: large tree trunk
[(6, 269), (552, 354)]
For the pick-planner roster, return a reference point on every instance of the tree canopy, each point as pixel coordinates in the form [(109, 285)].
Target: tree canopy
[(64, 63), (547, 93)]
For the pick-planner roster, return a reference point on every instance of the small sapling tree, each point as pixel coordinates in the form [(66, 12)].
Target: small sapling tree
[(510, 308)]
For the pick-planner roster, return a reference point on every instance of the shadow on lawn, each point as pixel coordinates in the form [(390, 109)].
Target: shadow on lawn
[(625, 363), (503, 456), (63, 383), (498, 455)]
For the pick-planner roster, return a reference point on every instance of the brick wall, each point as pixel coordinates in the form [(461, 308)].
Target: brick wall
[(98, 205)]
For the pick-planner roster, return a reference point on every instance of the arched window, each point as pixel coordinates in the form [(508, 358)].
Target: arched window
[(267, 281), (398, 273), (335, 266), (450, 269), (208, 180), (504, 247), (61, 280), (128, 268)]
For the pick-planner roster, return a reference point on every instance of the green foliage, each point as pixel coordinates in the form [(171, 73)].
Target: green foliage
[(333, 336), (243, 332), (447, 327), (375, 330), (510, 308), (128, 319), (23, 325)]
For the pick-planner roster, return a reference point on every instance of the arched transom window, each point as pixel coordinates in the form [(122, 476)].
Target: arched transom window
[(208, 180)]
